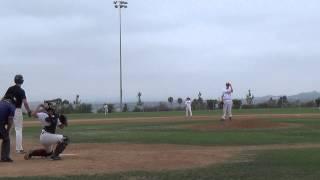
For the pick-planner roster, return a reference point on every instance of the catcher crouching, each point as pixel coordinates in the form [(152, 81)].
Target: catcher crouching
[(54, 144)]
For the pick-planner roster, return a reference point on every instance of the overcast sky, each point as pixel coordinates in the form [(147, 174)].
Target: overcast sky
[(170, 48)]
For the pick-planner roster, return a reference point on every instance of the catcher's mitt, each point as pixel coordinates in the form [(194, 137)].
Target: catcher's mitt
[(63, 119)]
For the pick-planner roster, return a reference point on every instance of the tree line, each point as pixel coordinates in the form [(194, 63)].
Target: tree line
[(198, 103)]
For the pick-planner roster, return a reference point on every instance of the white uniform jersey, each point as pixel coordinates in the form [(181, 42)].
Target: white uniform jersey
[(226, 94), (42, 118), (188, 103)]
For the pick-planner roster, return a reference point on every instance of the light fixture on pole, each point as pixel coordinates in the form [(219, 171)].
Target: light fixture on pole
[(119, 5)]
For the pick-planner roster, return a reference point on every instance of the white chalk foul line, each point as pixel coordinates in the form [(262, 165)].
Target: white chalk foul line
[(68, 154)]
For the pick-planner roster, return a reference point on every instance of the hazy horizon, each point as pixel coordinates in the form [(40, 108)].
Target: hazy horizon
[(170, 48)]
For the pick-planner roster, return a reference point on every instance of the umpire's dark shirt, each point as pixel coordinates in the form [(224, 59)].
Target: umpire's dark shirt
[(6, 110), (18, 94)]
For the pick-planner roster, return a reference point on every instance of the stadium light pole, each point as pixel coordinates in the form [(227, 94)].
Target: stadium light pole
[(119, 5)]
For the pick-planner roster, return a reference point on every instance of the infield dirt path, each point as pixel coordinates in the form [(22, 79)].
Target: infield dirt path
[(109, 158)]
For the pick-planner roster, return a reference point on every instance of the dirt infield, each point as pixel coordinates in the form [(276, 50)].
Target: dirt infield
[(243, 123), (108, 158)]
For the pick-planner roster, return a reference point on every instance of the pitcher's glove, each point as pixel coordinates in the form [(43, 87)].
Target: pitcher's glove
[(29, 114)]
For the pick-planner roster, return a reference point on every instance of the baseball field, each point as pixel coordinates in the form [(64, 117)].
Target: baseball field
[(257, 144)]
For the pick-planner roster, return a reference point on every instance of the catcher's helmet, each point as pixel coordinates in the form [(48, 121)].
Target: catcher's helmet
[(18, 79)]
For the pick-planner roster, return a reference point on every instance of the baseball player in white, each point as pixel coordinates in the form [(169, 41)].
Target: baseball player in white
[(106, 110), (227, 101), (188, 108), (48, 137)]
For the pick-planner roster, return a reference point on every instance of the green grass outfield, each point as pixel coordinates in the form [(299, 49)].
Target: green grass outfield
[(196, 113), (286, 164), (307, 131)]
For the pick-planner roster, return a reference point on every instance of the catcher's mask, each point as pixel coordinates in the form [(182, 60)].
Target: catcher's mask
[(49, 107)]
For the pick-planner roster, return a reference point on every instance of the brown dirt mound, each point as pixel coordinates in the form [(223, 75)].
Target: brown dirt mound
[(243, 123)]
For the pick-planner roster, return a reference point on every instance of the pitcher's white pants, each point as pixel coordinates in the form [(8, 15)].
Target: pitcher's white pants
[(18, 125), (188, 112), (227, 109)]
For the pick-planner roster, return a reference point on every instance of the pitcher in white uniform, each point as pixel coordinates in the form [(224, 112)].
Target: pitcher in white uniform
[(188, 108), (227, 102)]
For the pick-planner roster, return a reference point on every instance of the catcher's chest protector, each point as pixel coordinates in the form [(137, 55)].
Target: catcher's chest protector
[(53, 125)]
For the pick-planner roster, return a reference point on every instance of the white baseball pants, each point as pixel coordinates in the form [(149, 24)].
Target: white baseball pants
[(188, 112), (227, 109), (48, 140), (18, 125)]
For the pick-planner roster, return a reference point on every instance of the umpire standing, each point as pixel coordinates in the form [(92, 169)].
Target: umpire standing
[(7, 110), (20, 97)]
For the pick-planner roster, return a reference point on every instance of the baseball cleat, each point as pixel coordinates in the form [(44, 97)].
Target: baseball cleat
[(55, 158), (20, 152), (28, 155), (230, 118)]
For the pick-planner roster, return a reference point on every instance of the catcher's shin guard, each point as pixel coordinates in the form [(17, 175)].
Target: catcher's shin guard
[(61, 146), (37, 152)]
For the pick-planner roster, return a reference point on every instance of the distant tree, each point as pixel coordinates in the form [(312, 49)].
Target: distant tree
[(110, 108), (194, 104), (77, 101), (170, 100), (318, 102), (272, 102), (309, 104), (237, 103), (200, 100), (283, 101), (83, 108), (211, 104), (125, 108), (215, 102), (163, 107), (180, 101), (59, 101), (66, 107), (249, 98), (65, 102)]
